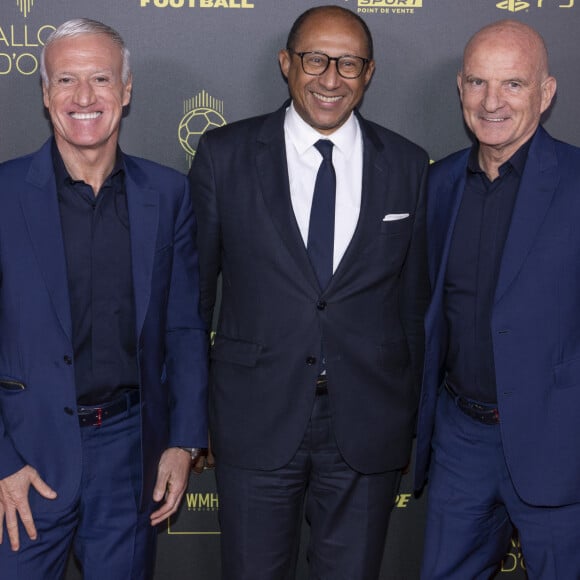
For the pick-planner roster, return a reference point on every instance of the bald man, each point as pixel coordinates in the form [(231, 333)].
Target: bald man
[(501, 390)]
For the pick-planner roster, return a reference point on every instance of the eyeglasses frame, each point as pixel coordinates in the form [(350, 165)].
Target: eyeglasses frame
[(365, 61)]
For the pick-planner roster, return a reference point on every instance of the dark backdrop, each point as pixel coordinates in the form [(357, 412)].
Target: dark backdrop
[(198, 63)]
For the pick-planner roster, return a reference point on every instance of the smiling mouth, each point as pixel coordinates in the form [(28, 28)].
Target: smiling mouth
[(326, 99), (494, 119), (85, 116)]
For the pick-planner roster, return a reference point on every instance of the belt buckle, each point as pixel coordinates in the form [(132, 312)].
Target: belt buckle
[(99, 419)]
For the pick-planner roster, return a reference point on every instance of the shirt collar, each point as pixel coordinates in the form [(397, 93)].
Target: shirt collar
[(303, 136), (62, 176), (517, 161)]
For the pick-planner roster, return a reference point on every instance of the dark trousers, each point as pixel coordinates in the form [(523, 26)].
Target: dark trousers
[(348, 512), (473, 507), (111, 539)]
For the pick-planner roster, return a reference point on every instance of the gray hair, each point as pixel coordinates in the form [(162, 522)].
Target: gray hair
[(79, 26)]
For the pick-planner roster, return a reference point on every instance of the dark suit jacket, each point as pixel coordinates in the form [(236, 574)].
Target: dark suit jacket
[(535, 321), (273, 317), (38, 422)]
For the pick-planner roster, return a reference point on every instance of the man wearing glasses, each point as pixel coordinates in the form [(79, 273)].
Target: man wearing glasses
[(314, 217)]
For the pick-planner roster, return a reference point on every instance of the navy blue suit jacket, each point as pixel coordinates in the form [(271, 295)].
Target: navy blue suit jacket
[(38, 422), (535, 321), (273, 317)]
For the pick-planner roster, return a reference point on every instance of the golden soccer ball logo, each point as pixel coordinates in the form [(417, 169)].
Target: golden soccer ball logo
[(194, 124)]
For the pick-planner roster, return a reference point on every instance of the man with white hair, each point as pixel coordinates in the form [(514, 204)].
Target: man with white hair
[(102, 349)]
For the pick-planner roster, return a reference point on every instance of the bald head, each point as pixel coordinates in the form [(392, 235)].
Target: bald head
[(504, 87), (330, 11), (512, 33)]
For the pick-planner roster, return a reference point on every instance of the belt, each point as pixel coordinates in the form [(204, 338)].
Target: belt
[(482, 412), (321, 385), (95, 415)]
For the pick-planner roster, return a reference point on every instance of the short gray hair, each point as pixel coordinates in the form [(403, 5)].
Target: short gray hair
[(79, 26)]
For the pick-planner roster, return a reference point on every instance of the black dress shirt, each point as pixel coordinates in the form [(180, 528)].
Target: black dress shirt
[(98, 256), (475, 256)]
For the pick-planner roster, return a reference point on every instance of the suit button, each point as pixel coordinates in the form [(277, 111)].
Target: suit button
[(321, 305), (68, 411), (67, 359), (311, 360)]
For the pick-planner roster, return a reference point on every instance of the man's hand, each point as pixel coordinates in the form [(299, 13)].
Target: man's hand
[(14, 502), (172, 479)]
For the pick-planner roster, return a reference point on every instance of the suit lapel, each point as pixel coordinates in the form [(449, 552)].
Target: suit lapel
[(272, 170), (143, 204), (442, 210), (375, 173), (39, 202), (534, 197), (441, 220)]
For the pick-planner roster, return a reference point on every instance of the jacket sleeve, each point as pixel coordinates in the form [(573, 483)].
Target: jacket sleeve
[(416, 287), (186, 335), (203, 192)]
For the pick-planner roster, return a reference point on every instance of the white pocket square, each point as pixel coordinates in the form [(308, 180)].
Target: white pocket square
[(393, 217)]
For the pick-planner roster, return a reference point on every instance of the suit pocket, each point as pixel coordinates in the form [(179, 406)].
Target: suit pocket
[(567, 374), (238, 352), (11, 385), (396, 227)]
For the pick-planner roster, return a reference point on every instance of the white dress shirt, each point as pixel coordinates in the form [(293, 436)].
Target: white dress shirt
[(303, 164)]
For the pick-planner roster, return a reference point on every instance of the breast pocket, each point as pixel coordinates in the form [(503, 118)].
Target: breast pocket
[(389, 245), (397, 227)]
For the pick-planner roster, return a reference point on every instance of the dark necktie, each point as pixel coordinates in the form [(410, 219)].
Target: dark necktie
[(321, 227)]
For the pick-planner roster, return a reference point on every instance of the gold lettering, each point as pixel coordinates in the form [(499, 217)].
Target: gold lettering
[(202, 501), (402, 500), (49, 28), (3, 37), (26, 64), (225, 4), (509, 563), (5, 69), (12, 41)]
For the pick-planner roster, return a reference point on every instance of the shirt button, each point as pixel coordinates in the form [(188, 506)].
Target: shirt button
[(321, 305), (311, 360), (67, 359)]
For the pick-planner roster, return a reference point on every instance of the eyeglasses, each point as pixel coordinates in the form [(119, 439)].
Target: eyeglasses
[(317, 63)]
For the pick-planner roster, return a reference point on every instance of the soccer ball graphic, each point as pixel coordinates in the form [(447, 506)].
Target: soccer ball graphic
[(194, 124)]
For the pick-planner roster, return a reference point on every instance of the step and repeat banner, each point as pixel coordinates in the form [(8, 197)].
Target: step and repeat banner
[(199, 64)]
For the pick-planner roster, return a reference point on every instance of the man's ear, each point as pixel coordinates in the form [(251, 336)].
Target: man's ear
[(284, 59)]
